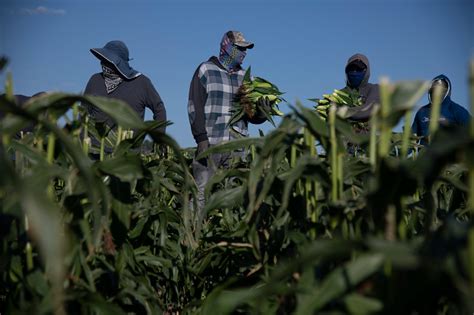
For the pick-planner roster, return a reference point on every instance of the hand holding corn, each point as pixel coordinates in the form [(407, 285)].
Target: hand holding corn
[(338, 98), (249, 99)]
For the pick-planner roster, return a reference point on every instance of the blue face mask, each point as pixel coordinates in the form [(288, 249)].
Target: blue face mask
[(355, 78)]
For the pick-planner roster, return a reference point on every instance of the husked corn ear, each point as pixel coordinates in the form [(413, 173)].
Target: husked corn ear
[(337, 97), (249, 96)]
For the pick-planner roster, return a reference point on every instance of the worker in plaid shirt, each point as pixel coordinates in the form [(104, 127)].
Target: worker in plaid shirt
[(211, 95)]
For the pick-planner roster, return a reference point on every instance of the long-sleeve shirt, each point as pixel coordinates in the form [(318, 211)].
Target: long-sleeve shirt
[(139, 93), (211, 96)]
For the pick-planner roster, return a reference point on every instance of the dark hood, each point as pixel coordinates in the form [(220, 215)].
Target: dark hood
[(365, 61), (447, 97)]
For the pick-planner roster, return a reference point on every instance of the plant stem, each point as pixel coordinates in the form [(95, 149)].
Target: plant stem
[(308, 184), (390, 224), (102, 148), (385, 131), (28, 248), (9, 87), (86, 145), (50, 160), (373, 140), (75, 112), (340, 174), (334, 168), (119, 136), (435, 112), (86, 141), (406, 134), (471, 181), (9, 95), (293, 156), (51, 148)]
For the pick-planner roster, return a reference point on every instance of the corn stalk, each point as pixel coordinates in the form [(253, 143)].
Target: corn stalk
[(471, 181), (334, 157), (435, 112), (9, 94), (385, 130), (406, 134), (373, 139)]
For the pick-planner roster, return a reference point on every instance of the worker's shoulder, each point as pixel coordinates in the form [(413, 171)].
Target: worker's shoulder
[(209, 65), (373, 85), (423, 110), (95, 79), (96, 76), (142, 79)]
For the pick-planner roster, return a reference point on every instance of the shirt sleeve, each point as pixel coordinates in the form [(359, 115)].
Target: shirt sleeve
[(365, 111), (415, 126), (196, 102), (87, 91), (155, 104), (462, 116)]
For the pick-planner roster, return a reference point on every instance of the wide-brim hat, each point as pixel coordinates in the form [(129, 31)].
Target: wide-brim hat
[(116, 53)]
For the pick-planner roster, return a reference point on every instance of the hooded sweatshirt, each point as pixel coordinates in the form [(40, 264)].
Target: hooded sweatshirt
[(451, 113), (368, 92)]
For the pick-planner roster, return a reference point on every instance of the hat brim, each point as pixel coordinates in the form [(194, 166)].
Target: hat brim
[(121, 65), (247, 45)]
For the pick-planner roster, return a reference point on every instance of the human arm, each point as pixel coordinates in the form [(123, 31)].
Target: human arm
[(364, 111), (415, 127), (461, 115), (196, 103), (93, 88), (156, 105)]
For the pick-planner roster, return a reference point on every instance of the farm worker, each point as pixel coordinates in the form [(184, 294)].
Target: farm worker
[(120, 81), (212, 91), (357, 79), (21, 100), (451, 113)]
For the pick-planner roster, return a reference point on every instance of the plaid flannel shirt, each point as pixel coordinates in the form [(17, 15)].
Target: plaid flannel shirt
[(211, 96)]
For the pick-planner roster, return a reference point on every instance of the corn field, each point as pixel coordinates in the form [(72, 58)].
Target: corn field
[(317, 219)]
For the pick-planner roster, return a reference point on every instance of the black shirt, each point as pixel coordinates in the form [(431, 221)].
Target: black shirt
[(138, 93)]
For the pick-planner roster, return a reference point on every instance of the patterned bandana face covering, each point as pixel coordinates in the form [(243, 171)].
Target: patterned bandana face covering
[(112, 79), (231, 57)]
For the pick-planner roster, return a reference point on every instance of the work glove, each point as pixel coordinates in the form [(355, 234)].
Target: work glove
[(263, 104), (201, 147)]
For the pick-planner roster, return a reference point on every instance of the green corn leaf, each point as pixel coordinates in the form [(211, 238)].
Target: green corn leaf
[(339, 281), (127, 168)]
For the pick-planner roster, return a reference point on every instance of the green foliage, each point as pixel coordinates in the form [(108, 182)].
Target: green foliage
[(305, 224), (248, 99)]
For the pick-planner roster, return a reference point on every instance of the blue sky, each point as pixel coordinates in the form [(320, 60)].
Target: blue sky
[(301, 46)]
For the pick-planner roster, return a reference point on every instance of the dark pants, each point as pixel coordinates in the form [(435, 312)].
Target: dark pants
[(203, 173)]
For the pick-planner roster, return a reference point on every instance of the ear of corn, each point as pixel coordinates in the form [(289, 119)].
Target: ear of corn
[(247, 101), (339, 98)]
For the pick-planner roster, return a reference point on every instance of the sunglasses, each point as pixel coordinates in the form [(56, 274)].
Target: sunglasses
[(240, 48)]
